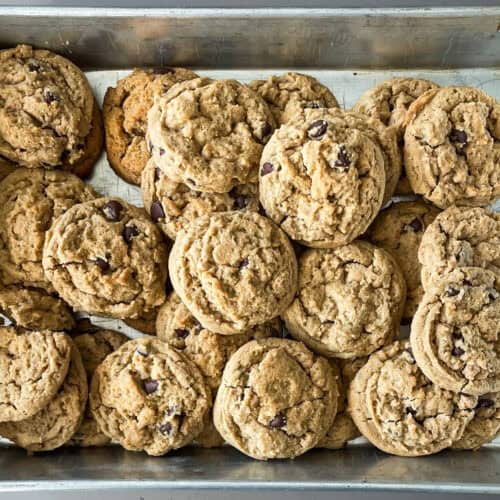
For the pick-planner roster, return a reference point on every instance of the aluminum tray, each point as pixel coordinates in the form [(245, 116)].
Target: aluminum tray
[(348, 50)]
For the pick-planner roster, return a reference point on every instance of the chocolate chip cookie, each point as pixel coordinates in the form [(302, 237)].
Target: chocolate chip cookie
[(277, 399), (460, 237), (349, 300), (399, 230), (125, 110), (289, 94), (47, 108), (106, 257), (53, 425), (32, 368), (209, 134), (149, 397), (173, 205), (452, 147), (233, 270), (398, 409), (145, 323), (322, 179), (456, 330), (34, 309), (30, 200)]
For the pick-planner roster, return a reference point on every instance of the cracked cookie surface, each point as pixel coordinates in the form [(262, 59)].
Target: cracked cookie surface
[(32, 366), (460, 237), (30, 201), (452, 147), (54, 425), (322, 178), (455, 334), (349, 300), (106, 257), (149, 397), (173, 205), (277, 399), (400, 411), (209, 134), (125, 110), (233, 270), (47, 106), (289, 94), (399, 230)]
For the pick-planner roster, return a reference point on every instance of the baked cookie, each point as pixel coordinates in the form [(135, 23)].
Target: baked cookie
[(485, 425), (149, 397), (30, 200), (455, 334), (399, 230), (94, 347), (400, 411), (6, 168), (209, 134), (125, 110), (106, 257), (32, 368), (460, 237), (233, 270), (452, 147), (53, 425), (289, 94), (173, 205), (34, 309), (349, 300), (145, 323), (322, 179), (343, 428), (277, 399), (47, 108)]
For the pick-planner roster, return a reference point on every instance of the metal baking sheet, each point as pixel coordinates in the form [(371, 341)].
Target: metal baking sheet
[(213, 43)]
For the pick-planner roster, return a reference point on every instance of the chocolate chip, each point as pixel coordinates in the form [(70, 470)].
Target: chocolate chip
[(34, 67), (161, 151), (342, 162), (129, 232), (317, 129), (451, 292), (485, 403), (49, 97), (102, 265), (457, 336), (157, 211), (182, 333), (409, 410), (244, 263), (150, 385), (157, 173), (278, 421), (267, 168), (416, 225), (142, 353), (458, 136), (112, 210), (457, 351), (165, 428), (163, 70)]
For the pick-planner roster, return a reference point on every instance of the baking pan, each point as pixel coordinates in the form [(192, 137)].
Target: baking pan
[(348, 50)]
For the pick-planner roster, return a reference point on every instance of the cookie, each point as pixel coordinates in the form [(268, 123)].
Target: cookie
[(460, 237), (32, 368), (106, 257), (30, 200), (343, 428), (34, 309), (53, 425), (47, 107), (400, 411), (233, 270), (289, 94), (277, 399), (94, 347), (485, 425), (322, 180), (145, 323), (399, 230), (209, 134), (125, 110), (349, 300), (174, 205), (452, 147), (149, 397), (456, 329)]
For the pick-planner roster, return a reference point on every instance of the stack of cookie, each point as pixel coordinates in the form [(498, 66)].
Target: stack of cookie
[(263, 204)]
